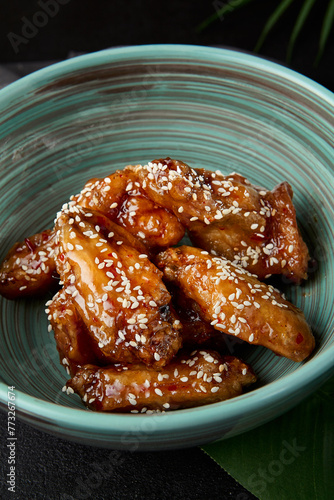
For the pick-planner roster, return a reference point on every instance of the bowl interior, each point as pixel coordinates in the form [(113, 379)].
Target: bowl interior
[(211, 108)]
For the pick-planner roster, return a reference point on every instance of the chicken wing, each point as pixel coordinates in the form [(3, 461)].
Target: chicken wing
[(75, 346), (121, 198), (117, 291), (195, 330), (237, 303), (227, 216), (200, 378), (29, 267)]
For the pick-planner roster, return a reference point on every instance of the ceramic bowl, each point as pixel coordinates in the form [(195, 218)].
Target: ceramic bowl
[(212, 108)]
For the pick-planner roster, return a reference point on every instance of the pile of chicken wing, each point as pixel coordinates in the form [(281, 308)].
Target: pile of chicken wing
[(141, 323)]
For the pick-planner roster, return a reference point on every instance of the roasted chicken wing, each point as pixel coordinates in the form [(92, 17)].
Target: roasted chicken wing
[(29, 267), (227, 216), (195, 330), (121, 198), (117, 291), (75, 346), (237, 303), (200, 378)]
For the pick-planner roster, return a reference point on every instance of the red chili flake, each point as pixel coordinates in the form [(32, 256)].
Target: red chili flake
[(62, 256), (45, 236), (299, 338), (172, 387), (255, 237), (29, 244)]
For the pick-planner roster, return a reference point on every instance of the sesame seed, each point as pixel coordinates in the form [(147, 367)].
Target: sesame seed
[(251, 337), (214, 389), (158, 391), (156, 356)]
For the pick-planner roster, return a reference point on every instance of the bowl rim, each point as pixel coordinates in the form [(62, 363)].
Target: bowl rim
[(192, 52), (307, 374)]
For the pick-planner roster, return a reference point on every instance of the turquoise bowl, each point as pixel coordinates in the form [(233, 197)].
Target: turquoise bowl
[(211, 108)]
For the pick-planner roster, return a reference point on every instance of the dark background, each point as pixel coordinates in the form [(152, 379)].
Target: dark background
[(88, 25), (51, 468)]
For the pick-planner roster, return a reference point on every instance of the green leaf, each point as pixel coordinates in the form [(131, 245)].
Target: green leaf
[(325, 30), (302, 16), (275, 16), (290, 458), (222, 9)]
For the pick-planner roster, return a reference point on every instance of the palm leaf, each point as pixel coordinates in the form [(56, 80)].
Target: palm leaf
[(221, 10), (275, 16), (326, 29), (289, 458), (302, 16)]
